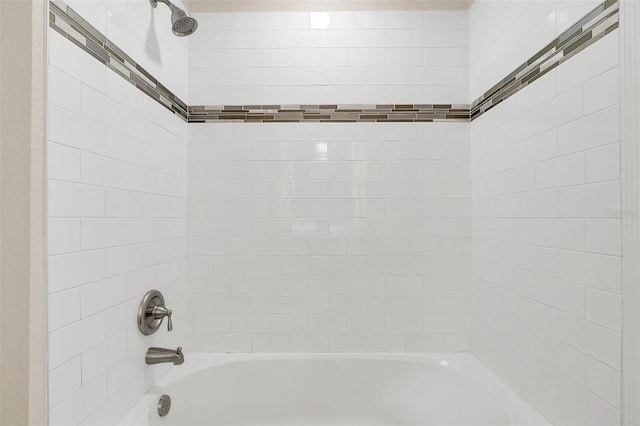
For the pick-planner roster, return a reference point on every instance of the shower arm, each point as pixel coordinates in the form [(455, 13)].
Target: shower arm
[(154, 3)]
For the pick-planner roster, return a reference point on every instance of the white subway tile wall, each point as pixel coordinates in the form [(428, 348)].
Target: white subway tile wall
[(316, 237), (546, 243), (505, 33), (501, 236), (360, 57), (324, 237), (117, 170)]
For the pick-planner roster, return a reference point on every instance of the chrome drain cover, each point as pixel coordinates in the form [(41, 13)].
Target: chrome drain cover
[(164, 405)]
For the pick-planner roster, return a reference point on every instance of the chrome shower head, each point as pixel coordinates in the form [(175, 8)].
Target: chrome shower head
[(182, 24)]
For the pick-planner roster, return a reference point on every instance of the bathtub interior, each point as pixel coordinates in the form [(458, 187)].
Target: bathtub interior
[(451, 389)]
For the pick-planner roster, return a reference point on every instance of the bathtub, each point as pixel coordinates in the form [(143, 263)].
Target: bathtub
[(333, 390)]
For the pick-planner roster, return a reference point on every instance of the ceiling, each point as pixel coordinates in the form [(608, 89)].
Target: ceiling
[(323, 5)]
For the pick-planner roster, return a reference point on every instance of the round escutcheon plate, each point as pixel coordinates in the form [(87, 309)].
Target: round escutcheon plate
[(164, 405)]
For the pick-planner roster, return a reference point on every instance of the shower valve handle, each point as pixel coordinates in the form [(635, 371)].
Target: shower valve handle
[(151, 311), (159, 312)]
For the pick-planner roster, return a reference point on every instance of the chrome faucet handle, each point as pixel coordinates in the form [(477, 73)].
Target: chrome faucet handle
[(151, 312), (159, 312)]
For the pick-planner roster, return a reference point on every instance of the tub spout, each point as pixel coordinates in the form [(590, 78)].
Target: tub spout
[(160, 355)]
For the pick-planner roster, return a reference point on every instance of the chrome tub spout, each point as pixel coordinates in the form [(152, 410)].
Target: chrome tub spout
[(160, 355)]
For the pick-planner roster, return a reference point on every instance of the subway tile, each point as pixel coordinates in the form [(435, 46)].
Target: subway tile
[(64, 381), (270, 342), (572, 269), (99, 108), (561, 295), (604, 381), (102, 233), (596, 59), (603, 163), (349, 304), (597, 200), (289, 323), (538, 315), (597, 342), (333, 204), (100, 358), (381, 343), (561, 171), (72, 340), (592, 270), (271, 304), (327, 323), (579, 400), (563, 109), (347, 342), (311, 342), (604, 309), (214, 323), (63, 162), (100, 295), (64, 236), (561, 233), (249, 323), (63, 308), (602, 91), (75, 200), (310, 304), (71, 270), (80, 404), (567, 360), (120, 375), (366, 323), (603, 236), (231, 342), (425, 342), (597, 129)]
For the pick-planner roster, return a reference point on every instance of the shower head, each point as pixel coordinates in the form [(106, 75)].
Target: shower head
[(182, 24)]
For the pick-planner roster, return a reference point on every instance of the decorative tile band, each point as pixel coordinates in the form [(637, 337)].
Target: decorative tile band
[(72, 26), (592, 27), (329, 113)]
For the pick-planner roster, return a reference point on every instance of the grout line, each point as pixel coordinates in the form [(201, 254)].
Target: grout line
[(592, 27)]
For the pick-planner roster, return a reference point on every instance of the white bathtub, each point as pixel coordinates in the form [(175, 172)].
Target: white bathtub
[(344, 389)]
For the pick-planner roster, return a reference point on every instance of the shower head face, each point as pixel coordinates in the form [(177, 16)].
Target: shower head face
[(182, 24)]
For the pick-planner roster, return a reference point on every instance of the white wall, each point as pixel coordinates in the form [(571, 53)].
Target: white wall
[(329, 237), (117, 207), (503, 34), (363, 57), (546, 232), (337, 237)]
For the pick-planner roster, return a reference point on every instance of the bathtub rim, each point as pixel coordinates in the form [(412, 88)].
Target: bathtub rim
[(465, 363)]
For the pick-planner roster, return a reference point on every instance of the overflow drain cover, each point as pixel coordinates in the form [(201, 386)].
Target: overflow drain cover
[(164, 405)]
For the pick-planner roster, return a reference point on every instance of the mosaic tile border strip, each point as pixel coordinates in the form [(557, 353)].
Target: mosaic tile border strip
[(591, 28), (329, 113), (596, 24), (72, 26)]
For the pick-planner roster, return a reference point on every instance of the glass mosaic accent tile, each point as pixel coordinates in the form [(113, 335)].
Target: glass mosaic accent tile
[(596, 24), (69, 24), (591, 28)]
